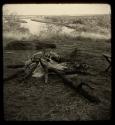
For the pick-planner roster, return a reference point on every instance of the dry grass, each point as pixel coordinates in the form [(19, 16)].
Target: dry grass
[(36, 101)]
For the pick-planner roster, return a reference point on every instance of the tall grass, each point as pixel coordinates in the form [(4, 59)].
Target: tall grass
[(85, 29)]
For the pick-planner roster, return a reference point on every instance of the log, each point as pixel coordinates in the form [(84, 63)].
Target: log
[(78, 87), (20, 71), (15, 66), (64, 72), (14, 75), (88, 92), (67, 81)]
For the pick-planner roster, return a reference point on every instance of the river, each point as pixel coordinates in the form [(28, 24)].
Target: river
[(37, 28)]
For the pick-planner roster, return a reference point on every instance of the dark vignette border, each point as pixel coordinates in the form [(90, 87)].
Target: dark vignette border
[(42, 2)]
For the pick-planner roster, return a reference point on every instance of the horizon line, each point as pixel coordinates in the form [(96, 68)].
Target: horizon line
[(58, 15)]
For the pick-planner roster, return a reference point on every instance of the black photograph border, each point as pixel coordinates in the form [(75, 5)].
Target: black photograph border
[(3, 2)]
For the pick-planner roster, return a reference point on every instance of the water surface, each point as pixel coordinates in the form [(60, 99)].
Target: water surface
[(46, 29)]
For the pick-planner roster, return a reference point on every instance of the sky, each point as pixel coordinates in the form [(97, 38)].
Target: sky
[(56, 9)]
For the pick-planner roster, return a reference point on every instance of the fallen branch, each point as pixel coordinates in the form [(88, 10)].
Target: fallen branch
[(82, 88), (15, 66), (14, 75), (20, 71)]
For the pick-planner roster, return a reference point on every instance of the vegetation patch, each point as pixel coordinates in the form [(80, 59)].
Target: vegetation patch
[(28, 45)]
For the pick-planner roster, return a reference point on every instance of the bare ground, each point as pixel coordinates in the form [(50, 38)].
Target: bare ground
[(36, 101)]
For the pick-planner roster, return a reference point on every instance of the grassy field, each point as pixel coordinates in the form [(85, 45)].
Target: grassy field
[(36, 101)]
